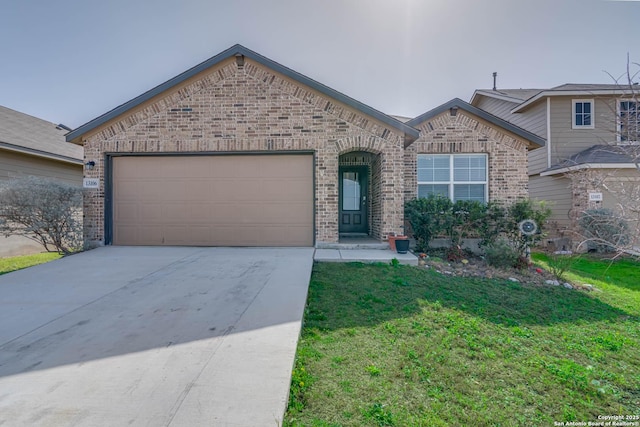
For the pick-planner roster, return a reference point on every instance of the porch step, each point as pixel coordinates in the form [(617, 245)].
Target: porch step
[(373, 245), (363, 255)]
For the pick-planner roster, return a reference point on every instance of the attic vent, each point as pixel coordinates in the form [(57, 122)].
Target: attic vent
[(63, 127), (240, 60)]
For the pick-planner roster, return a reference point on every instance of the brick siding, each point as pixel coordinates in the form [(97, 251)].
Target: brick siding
[(465, 133), (240, 108)]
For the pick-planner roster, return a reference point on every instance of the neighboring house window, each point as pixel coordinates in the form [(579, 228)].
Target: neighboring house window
[(582, 114), (456, 176), (629, 121)]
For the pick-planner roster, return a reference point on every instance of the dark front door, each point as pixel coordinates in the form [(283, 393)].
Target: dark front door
[(353, 199)]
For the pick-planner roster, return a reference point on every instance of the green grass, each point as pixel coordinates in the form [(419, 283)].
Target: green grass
[(619, 280), (7, 265), (390, 345)]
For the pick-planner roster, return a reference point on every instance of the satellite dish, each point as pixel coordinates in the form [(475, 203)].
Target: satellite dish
[(528, 227)]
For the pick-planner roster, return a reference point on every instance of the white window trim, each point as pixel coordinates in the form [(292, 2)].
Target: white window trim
[(619, 122), (573, 114), (451, 182)]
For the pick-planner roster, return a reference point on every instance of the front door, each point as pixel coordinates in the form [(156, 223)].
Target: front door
[(353, 199)]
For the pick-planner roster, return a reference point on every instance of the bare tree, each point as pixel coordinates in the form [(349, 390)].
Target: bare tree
[(616, 229), (44, 211)]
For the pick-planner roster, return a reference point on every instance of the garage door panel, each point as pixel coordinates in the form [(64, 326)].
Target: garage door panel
[(150, 233), (227, 200), (128, 210), (148, 213), (285, 191), (147, 190)]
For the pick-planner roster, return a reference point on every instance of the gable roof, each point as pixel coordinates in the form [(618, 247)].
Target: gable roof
[(523, 98), (30, 135), (597, 156), (236, 50), (465, 106), (511, 95), (576, 89)]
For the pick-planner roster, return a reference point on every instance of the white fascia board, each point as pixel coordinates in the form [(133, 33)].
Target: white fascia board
[(534, 99)]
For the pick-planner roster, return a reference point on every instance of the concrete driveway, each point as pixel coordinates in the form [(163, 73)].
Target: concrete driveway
[(152, 336)]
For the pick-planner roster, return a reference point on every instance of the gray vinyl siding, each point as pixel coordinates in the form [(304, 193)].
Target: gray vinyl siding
[(13, 165), (537, 160), (534, 119), (567, 141), (557, 191)]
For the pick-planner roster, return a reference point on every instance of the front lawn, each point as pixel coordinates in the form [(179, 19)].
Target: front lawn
[(403, 346), (7, 265)]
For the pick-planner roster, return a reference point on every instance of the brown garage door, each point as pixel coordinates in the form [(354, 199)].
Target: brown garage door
[(227, 200)]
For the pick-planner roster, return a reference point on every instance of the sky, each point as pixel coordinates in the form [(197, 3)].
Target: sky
[(69, 61)]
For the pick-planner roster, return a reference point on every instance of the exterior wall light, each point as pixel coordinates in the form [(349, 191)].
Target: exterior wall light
[(90, 165)]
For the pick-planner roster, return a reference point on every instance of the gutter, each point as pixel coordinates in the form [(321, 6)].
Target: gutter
[(40, 153)]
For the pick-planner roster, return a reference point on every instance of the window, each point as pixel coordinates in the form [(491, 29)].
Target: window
[(629, 121), (582, 114), (457, 176), (350, 191)]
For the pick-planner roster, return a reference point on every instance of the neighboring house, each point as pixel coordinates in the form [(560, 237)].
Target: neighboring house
[(581, 124), (32, 146), (242, 151)]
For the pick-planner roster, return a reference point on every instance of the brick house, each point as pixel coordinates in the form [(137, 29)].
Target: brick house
[(242, 151)]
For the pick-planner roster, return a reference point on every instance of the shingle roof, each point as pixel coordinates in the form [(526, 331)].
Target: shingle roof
[(459, 103), (589, 87), (410, 133), (25, 133), (597, 154), (403, 119), (517, 94)]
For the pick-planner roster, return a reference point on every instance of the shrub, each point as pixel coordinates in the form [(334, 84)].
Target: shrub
[(604, 230), (436, 216), (501, 254), (560, 263), (429, 217), (45, 211), (519, 211), (465, 218)]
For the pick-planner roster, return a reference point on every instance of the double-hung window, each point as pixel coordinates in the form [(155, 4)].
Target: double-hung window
[(582, 114), (456, 176), (629, 127)]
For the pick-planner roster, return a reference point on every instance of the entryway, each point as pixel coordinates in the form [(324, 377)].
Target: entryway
[(354, 184), (356, 195)]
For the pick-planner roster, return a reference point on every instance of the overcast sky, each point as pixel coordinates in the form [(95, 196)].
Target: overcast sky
[(69, 61)]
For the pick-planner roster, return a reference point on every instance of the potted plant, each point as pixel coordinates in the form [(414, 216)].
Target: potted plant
[(402, 245), (392, 240)]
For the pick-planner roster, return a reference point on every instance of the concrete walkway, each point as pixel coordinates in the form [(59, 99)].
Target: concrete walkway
[(363, 255), (152, 337)]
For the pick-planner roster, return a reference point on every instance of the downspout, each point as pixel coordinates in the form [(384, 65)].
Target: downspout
[(548, 132)]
